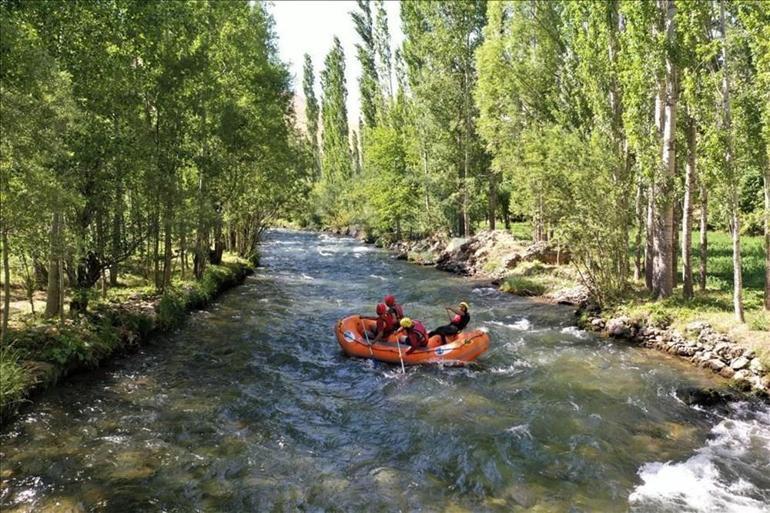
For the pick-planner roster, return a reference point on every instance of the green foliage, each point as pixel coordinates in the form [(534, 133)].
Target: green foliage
[(14, 379), (523, 286)]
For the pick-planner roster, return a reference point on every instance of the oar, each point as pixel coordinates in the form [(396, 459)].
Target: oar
[(401, 358), (366, 336)]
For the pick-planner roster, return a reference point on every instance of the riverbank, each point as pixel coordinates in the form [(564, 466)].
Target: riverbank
[(41, 353), (542, 272)]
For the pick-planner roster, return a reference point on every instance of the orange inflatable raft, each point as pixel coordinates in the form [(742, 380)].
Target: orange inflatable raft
[(463, 347)]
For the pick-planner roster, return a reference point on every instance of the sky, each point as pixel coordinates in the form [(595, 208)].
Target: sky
[(310, 26)]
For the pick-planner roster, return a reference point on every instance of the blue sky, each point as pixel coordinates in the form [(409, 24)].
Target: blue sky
[(310, 26)]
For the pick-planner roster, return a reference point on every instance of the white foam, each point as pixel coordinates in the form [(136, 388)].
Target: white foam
[(520, 325), (575, 332), (382, 278), (520, 431), (702, 483), (485, 291), (514, 368)]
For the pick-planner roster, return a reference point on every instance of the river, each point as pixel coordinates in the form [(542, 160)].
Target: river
[(252, 407)]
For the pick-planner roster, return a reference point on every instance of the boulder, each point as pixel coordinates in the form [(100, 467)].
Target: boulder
[(739, 363), (511, 261), (545, 253), (756, 366), (619, 326), (742, 375), (727, 372), (572, 296), (597, 323), (716, 364), (697, 327)]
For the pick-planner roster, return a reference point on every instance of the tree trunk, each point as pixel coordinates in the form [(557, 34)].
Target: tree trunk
[(767, 237), (492, 199), (704, 240), (639, 208), (687, 210), (168, 249), (735, 218), (6, 286), (52, 303), (675, 244), (219, 244), (663, 273), (117, 223), (649, 249)]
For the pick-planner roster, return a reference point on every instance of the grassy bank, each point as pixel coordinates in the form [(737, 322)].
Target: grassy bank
[(714, 305), (40, 352)]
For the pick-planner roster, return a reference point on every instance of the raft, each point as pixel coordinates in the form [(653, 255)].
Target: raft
[(464, 347)]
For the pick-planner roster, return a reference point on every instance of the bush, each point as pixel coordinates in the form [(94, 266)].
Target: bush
[(14, 379), (759, 322), (171, 310), (522, 286), (659, 317)]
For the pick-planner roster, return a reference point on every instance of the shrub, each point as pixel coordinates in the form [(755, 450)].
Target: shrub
[(522, 286), (659, 317), (13, 377), (171, 310), (759, 322)]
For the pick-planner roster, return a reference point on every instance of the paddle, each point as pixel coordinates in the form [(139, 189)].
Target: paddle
[(366, 336)]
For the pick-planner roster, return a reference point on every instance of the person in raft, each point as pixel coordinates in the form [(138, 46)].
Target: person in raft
[(415, 334), (387, 323), (394, 308), (456, 324)]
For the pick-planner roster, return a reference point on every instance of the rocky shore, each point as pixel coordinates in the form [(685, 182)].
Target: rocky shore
[(499, 256), (700, 344)]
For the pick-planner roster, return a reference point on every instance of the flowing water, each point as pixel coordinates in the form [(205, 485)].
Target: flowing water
[(252, 407)]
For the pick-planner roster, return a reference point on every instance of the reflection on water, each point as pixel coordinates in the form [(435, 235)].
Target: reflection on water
[(252, 407)]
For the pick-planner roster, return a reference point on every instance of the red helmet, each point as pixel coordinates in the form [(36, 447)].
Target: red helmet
[(390, 300), (381, 309)]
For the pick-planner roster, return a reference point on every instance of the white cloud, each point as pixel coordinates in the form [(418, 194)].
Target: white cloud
[(310, 26)]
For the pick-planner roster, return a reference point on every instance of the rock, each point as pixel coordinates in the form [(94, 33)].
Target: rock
[(704, 396), (597, 323), (716, 364), (685, 351), (735, 352), (742, 375), (577, 296), (543, 252), (618, 327), (726, 372), (697, 327), (739, 363), (766, 381), (756, 366), (511, 261)]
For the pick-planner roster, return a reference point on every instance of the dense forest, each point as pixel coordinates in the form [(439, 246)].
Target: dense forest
[(159, 135), (608, 126), (155, 133)]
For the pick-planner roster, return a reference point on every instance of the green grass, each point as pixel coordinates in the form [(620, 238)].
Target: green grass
[(14, 379), (715, 305), (522, 286)]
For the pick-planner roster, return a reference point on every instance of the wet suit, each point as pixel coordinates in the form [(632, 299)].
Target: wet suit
[(459, 321)]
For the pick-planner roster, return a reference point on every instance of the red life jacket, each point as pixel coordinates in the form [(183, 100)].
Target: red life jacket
[(397, 311), (386, 323), (417, 336)]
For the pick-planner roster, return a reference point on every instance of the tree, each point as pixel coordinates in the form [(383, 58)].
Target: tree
[(336, 163), (366, 53), (311, 110)]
